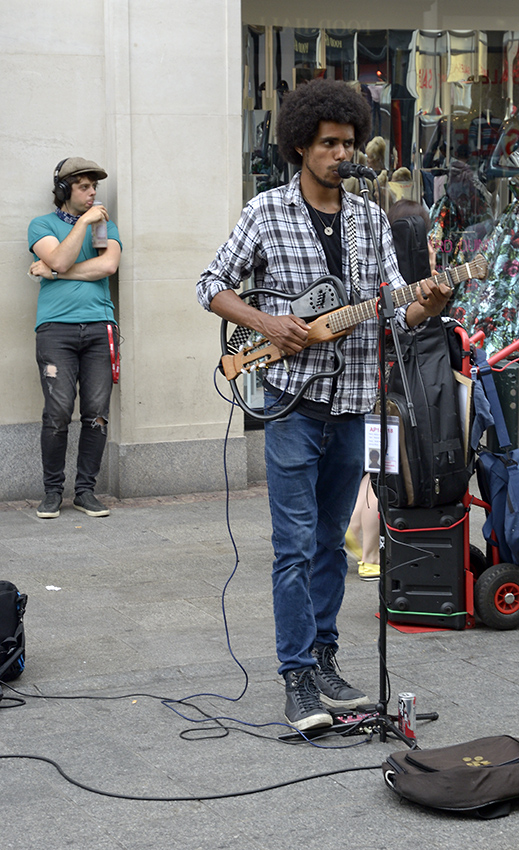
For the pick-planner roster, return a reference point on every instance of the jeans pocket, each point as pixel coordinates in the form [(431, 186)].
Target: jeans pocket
[(273, 403)]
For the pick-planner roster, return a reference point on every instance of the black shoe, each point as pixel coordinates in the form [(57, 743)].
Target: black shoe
[(303, 708), (88, 503), (334, 691), (49, 508)]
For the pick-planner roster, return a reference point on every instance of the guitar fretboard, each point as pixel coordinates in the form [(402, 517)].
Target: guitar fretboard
[(347, 317)]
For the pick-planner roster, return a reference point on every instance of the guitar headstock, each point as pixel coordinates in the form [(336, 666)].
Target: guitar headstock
[(475, 270), (249, 359), (479, 267)]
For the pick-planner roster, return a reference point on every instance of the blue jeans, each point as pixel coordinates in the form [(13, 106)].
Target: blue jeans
[(314, 470), (69, 354)]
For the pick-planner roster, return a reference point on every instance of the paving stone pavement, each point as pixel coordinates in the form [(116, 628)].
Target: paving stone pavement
[(125, 616)]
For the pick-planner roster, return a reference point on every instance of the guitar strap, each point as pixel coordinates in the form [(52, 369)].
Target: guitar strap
[(354, 259)]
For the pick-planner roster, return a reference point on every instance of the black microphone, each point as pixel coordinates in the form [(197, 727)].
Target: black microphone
[(355, 169)]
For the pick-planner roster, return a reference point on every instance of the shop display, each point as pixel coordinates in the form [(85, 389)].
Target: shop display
[(445, 123)]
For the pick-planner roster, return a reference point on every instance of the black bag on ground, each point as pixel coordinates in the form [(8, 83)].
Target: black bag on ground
[(480, 777), (12, 633), (433, 466)]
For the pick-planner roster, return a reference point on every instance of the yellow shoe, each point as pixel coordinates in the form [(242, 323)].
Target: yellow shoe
[(369, 572), (353, 546)]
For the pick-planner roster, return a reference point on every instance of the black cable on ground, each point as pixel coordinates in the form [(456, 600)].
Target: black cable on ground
[(185, 799)]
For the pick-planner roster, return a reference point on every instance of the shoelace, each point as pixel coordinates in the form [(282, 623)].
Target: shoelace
[(328, 668), (306, 691)]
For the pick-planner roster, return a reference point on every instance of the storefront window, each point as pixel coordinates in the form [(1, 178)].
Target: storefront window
[(433, 93), (445, 132)]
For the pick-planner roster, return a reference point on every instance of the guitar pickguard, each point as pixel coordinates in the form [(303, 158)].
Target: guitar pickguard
[(323, 295), (326, 294)]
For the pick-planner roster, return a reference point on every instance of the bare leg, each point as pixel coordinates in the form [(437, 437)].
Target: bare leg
[(369, 522)]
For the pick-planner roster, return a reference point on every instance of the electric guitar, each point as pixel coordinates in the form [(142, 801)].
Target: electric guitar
[(319, 299)]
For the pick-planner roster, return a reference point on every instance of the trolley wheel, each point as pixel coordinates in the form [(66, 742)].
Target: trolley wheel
[(478, 561), (496, 596)]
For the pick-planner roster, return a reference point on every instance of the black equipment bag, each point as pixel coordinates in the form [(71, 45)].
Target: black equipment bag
[(480, 777), (12, 633), (433, 467), (410, 241)]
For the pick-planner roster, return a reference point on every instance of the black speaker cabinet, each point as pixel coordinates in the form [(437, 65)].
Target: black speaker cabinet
[(425, 580)]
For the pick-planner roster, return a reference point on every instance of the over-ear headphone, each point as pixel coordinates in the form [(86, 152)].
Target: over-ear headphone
[(62, 189)]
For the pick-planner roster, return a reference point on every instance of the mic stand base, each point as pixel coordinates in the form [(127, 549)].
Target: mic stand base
[(386, 723)]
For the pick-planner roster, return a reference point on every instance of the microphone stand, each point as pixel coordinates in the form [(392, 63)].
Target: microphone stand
[(386, 315)]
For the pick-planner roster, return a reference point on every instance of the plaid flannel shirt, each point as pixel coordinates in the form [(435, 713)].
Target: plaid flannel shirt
[(276, 241)]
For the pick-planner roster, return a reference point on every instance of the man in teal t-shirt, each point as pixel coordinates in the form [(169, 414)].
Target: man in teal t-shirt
[(75, 317)]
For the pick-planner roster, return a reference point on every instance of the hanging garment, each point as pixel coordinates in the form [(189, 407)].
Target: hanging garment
[(492, 306), (511, 62), (467, 56), (430, 47), (464, 206)]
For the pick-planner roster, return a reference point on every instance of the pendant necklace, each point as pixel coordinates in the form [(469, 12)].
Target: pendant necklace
[(328, 228)]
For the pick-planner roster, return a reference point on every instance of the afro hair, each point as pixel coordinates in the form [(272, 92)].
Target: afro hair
[(304, 108)]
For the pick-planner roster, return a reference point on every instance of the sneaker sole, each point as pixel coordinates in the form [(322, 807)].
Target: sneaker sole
[(343, 703), (369, 578), (48, 514), (316, 721), (106, 512)]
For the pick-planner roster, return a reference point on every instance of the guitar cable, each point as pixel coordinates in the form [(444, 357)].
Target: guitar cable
[(186, 799), (218, 726)]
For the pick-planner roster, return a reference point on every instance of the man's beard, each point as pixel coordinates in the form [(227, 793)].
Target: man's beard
[(322, 182)]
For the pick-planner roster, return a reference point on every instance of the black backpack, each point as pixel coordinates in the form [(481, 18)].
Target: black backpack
[(479, 777), (12, 633), (410, 241), (434, 469)]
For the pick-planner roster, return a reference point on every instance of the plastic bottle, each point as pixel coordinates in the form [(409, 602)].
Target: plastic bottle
[(99, 232)]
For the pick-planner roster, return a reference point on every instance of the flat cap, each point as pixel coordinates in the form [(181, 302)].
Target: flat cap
[(78, 165)]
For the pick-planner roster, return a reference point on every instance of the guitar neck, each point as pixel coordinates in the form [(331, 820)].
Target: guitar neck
[(331, 325)]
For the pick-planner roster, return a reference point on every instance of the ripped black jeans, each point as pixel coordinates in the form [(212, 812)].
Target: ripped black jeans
[(69, 355)]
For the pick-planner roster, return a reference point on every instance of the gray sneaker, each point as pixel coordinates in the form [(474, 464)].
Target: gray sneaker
[(303, 708), (90, 506), (334, 691), (49, 507)]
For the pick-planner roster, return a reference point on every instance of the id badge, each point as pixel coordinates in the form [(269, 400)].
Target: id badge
[(372, 458)]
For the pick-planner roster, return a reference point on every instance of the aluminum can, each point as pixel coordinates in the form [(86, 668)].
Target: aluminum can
[(407, 714)]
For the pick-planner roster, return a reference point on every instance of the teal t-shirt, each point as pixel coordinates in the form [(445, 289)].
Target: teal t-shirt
[(71, 301)]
